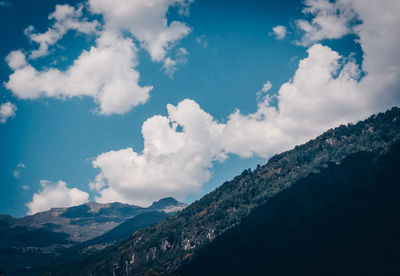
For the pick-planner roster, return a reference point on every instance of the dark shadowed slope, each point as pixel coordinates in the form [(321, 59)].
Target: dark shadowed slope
[(164, 246), (22, 247), (128, 227), (341, 221)]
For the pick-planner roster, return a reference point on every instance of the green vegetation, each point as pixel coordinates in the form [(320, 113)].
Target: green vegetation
[(340, 221), (163, 247)]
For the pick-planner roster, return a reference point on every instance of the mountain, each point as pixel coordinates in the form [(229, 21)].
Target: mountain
[(30, 244), (165, 246), (89, 220), (128, 227), (22, 247), (168, 205), (343, 220)]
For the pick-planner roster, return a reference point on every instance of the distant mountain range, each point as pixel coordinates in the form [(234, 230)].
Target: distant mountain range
[(29, 244), (323, 188)]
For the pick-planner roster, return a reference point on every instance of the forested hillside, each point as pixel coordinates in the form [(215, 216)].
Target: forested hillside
[(341, 221), (165, 246)]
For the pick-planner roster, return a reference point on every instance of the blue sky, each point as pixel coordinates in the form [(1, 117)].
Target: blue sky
[(67, 139)]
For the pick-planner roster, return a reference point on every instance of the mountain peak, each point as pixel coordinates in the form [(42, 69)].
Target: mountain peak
[(167, 203)]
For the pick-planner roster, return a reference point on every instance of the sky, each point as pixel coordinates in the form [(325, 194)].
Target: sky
[(133, 101)]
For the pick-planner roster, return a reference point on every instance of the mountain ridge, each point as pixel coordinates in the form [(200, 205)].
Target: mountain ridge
[(340, 221), (164, 246), (29, 245), (98, 217)]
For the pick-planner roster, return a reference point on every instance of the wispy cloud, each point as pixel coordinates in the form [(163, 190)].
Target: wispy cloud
[(202, 41), (17, 171), (266, 87)]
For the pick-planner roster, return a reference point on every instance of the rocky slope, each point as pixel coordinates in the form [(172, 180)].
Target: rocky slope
[(30, 244), (89, 220), (164, 246)]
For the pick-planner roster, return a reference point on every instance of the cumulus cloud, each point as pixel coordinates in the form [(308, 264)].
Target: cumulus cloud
[(279, 31), (330, 20), (65, 18), (178, 153), (54, 195), (326, 90), (313, 101), (105, 72), (146, 21), (180, 149), (16, 60), (377, 35), (7, 110)]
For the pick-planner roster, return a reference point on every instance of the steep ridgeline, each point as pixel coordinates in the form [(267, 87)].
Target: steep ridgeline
[(30, 244), (164, 246), (343, 220)]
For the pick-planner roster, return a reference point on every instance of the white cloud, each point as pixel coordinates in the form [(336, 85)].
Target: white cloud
[(146, 21), (331, 20), (310, 103), (54, 195), (266, 87), (326, 90), (105, 72), (378, 37), (16, 60), (66, 18), (170, 65), (279, 31), (177, 163), (174, 162), (7, 110)]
